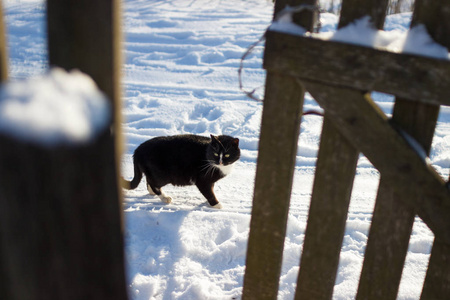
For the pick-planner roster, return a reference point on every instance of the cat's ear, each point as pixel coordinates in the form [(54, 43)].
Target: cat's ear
[(235, 142), (214, 138)]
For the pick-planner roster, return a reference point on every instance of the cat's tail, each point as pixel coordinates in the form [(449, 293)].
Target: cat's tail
[(131, 185)]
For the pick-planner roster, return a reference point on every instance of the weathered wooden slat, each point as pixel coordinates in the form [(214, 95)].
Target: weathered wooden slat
[(3, 51), (356, 9), (306, 19), (280, 128), (325, 229), (393, 220), (407, 76), (329, 203), (273, 183), (437, 280), (435, 16), (387, 245), (368, 129)]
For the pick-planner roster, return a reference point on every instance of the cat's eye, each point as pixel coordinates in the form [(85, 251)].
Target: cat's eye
[(215, 154), (227, 155)]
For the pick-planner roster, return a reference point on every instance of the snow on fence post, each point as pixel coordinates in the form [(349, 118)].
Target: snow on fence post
[(61, 231), (60, 228)]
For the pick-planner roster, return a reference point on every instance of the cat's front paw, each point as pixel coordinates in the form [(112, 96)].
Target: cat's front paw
[(218, 206)]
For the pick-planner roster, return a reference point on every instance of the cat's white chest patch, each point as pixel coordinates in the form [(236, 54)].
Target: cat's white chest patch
[(225, 169)]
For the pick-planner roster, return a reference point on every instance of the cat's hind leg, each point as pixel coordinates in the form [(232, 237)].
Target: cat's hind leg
[(158, 192), (155, 189), (149, 189)]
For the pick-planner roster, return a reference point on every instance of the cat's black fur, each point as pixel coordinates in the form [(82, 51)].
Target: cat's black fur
[(184, 160)]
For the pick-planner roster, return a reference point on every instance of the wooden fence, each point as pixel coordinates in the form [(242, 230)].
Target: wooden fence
[(60, 208), (50, 252), (340, 77)]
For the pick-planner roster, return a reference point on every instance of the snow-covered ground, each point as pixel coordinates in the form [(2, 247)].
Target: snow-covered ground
[(180, 76)]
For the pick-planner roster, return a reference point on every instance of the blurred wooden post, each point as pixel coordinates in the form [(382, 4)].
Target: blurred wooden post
[(60, 219), (86, 35)]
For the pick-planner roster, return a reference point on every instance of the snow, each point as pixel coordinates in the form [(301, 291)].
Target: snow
[(180, 76), (55, 108), (395, 38)]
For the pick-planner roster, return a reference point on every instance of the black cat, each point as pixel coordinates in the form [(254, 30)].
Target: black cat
[(184, 160)]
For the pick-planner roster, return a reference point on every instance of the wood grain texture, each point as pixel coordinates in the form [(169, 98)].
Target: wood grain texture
[(434, 15), (366, 69), (333, 182), (327, 216), (393, 220), (437, 280), (367, 128), (280, 129), (356, 9)]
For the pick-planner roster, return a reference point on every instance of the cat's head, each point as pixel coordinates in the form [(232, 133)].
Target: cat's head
[(223, 150)]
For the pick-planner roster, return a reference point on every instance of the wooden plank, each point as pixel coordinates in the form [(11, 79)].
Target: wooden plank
[(3, 49), (435, 16), (387, 245), (407, 76), (280, 129), (437, 280), (325, 229), (330, 199), (306, 19), (357, 115), (393, 220), (356, 9)]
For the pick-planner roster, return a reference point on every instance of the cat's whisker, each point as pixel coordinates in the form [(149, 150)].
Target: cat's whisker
[(209, 167)]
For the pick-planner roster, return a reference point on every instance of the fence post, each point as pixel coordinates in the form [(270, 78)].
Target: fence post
[(60, 222), (86, 35), (280, 128)]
